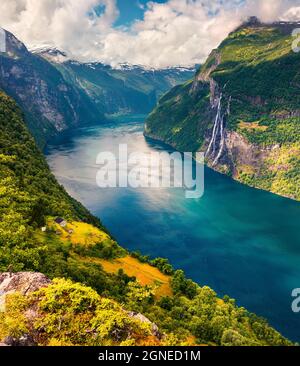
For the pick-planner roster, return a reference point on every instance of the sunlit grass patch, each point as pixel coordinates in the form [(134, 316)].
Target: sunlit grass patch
[(252, 126), (79, 233), (144, 273)]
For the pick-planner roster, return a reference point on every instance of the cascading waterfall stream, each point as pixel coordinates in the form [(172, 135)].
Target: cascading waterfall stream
[(223, 133), (215, 129), (219, 129), (222, 143)]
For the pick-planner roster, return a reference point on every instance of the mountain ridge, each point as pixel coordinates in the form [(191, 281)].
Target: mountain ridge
[(57, 93), (48, 51), (124, 89), (243, 117), (49, 103)]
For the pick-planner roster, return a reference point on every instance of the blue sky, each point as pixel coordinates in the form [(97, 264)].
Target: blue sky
[(131, 10)]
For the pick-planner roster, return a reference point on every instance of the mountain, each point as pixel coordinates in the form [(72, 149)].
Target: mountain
[(51, 54), (49, 103), (123, 90), (241, 109), (57, 93), (94, 292)]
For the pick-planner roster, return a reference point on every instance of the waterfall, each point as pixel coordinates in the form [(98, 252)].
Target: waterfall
[(222, 133), (228, 106), (218, 131), (216, 128)]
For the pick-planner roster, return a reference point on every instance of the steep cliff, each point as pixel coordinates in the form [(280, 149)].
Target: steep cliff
[(50, 104), (241, 109)]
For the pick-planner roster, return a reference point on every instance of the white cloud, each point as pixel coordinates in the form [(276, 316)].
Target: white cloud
[(292, 14), (179, 32), (270, 10)]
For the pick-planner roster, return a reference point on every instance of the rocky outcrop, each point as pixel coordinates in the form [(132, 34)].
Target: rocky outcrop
[(154, 328), (25, 283), (239, 153), (29, 282)]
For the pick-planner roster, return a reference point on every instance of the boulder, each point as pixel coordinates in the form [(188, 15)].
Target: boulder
[(154, 328), (23, 282)]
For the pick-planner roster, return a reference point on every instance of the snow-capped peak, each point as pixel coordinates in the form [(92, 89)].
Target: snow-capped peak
[(51, 54)]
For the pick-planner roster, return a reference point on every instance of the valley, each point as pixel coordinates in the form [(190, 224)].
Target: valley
[(57, 93), (84, 266)]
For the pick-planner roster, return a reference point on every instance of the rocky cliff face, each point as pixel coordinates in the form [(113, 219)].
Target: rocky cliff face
[(50, 104), (24, 283), (241, 110)]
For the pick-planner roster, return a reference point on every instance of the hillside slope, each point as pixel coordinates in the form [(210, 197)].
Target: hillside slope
[(69, 313), (241, 109), (29, 191)]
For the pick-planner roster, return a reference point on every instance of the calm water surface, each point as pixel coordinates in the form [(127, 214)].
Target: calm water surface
[(240, 241)]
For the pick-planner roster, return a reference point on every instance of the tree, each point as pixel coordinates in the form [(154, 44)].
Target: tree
[(37, 216)]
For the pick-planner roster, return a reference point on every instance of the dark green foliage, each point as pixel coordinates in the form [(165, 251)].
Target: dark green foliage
[(142, 258), (28, 193), (211, 320), (161, 263), (181, 118), (38, 214), (29, 172), (183, 286), (108, 249)]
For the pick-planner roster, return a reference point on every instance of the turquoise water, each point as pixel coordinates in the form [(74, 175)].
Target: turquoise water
[(240, 241)]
